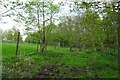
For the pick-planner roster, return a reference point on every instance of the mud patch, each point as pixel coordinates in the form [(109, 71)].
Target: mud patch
[(48, 72), (54, 71)]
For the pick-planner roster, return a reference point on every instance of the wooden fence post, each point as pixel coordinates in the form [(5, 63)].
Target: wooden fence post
[(17, 44)]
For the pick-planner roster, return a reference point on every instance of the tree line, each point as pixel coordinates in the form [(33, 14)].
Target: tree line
[(10, 35), (94, 27)]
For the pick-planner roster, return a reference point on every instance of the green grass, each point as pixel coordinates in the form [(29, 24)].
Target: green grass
[(69, 64)]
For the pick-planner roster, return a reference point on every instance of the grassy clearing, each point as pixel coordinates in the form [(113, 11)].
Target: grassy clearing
[(58, 62)]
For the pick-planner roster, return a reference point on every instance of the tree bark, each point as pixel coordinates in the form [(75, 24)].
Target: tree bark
[(43, 40)]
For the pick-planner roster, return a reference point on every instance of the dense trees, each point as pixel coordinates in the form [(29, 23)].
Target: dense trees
[(92, 30), (93, 26)]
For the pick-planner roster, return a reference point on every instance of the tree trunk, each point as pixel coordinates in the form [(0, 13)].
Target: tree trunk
[(43, 40), (41, 45)]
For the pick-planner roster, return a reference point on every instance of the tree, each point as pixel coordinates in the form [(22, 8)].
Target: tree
[(32, 38), (37, 14), (10, 35)]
